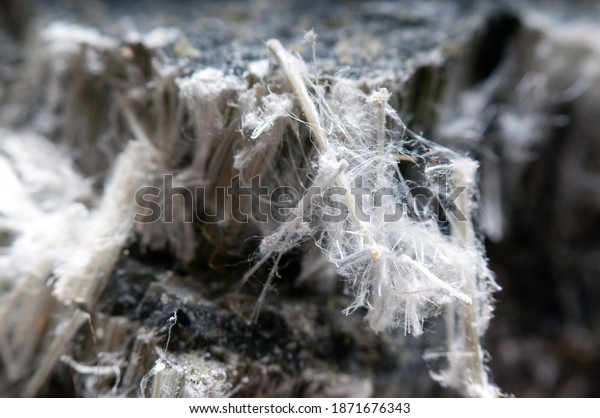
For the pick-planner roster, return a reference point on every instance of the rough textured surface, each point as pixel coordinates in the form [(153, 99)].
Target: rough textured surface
[(515, 85)]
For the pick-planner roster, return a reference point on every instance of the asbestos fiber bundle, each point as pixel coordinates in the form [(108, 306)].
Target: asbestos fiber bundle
[(191, 211)]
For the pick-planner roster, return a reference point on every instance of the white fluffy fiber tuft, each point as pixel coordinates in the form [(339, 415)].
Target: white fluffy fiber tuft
[(402, 271)]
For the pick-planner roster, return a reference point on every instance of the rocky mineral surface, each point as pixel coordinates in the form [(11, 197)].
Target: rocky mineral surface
[(513, 85)]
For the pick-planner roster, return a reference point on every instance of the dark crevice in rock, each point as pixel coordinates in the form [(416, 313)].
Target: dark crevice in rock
[(491, 44)]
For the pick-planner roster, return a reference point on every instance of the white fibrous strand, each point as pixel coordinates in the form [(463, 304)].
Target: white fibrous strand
[(402, 269), (265, 124), (41, 216), (84, 272)]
